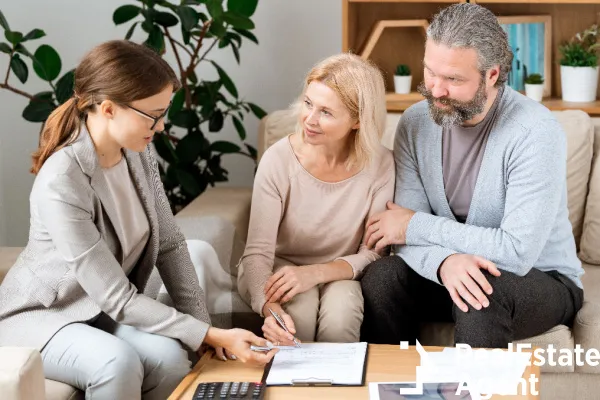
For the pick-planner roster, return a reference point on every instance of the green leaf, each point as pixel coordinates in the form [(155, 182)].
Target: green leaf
[(177, 103), (4, 22), (47, 63), (189, 148), (21, 49), (47, 95), (247, 34), (125, 13), (164, 148), (65, 86), (215, 8), (238, 21), (38, 111), (185, 119), (234, 37), (18, 66), (130, 30), (224, 42), (222, 146), (34, 34), (5, 48), (259, 112), (216, 121), (251, 150), (217, 29), (156, 40), (188, 183), (185, 35), (239, 127), (243, 7), (193, 2), (147, 26), (236, 52), (189, 17), (13, 36), (166, 19), (227, 82)]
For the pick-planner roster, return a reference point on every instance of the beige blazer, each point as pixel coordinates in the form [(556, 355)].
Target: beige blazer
[(71, 269)]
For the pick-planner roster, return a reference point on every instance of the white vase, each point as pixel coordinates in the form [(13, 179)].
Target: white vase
[(534, 91), (402, 84), (578, 84)]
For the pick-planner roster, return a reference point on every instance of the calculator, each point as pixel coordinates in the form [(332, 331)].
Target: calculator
[(230, 390)]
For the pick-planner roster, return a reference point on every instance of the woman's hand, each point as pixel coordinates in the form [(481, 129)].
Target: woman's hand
[(273, 331), (289, 281), (237, 342)]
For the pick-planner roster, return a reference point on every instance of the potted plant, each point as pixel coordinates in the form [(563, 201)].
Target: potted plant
[(579, 66), (190, 150), (534, 87), (402, 79)]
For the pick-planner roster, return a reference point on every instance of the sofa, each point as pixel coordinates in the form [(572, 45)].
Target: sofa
[(21, 374), (583, 181)]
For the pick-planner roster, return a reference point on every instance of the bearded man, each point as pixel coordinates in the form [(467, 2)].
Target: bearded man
[(480, 227)]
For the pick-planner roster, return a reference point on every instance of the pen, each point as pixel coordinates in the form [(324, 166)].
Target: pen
[(282, 324), (269, 348)]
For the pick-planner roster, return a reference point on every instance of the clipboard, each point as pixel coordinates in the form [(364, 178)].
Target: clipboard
[(316, 381)]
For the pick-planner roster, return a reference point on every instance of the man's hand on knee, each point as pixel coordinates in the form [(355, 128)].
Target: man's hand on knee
[(461, 275)]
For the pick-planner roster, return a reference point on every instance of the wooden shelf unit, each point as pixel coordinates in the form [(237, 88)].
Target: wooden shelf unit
[(406, 46)]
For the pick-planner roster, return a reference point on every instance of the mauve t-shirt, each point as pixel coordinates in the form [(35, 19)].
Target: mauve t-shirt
[(462, 152)]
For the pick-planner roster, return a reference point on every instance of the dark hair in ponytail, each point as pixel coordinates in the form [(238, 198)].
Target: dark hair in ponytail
[(118, 70)]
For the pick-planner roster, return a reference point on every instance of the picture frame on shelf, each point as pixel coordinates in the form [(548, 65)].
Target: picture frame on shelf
[(530, 38)]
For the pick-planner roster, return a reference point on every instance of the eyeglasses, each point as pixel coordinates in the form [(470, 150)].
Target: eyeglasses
[(155, 119)]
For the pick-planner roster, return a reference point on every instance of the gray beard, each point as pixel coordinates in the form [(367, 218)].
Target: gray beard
[(458, 111)]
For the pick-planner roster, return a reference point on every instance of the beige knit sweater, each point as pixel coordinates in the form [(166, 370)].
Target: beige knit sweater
[(297, 219)]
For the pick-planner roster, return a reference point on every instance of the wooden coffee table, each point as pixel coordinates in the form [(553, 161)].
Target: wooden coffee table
[(385, 363)]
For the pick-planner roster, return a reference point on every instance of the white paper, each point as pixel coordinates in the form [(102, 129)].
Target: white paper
[(340, 363)]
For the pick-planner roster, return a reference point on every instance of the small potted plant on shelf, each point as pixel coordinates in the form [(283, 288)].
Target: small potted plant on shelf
[(402, 79), (579, 66), (534, 87)]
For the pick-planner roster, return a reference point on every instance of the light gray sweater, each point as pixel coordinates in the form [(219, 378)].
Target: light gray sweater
[(518, 217)]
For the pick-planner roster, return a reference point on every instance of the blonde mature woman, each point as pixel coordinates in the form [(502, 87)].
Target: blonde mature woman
[(314, 190)]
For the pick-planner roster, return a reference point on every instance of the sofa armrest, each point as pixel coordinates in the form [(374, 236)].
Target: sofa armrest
[(21, 374), (229, 203), (586, 330)]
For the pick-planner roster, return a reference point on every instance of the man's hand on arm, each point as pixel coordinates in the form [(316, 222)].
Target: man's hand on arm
[(388, 227), (462, 277)]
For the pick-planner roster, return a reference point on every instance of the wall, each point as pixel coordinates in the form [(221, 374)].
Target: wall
[(293, 35)]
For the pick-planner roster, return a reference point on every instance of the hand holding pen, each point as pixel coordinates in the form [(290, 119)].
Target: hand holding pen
[(279, 327)]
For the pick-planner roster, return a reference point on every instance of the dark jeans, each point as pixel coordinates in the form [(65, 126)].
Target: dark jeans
[(397, 299)]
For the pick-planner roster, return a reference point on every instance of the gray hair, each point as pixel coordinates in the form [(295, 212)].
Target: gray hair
[(468, 25)]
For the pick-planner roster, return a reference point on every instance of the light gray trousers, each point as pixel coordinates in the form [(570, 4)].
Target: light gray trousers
[(110, 361)]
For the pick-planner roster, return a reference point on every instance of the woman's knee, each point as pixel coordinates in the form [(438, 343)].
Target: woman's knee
[(168, 357), (122, 366), (341, 312), (303, 309)]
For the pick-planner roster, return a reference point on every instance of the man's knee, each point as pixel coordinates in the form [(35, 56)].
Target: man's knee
[(382, 276)]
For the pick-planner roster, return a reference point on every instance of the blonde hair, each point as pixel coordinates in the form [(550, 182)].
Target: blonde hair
[(359, 85)]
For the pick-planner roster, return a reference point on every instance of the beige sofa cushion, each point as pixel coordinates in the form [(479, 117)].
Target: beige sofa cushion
[(21, 374), (580, 136), (61, 391), (590, 239)]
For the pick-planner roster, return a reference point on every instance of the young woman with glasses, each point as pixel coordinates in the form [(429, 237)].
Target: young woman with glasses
[(100, 222)]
